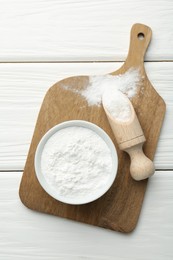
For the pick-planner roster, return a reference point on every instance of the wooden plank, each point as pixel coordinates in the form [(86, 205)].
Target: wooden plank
[(81, 30), (23, 86), (28, 235)]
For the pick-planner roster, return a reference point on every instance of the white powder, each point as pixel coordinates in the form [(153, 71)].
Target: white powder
[(76, 161), (117, 105), (127, 83)]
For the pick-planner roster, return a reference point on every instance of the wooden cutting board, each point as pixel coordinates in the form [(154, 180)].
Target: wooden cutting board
[(120, 207)]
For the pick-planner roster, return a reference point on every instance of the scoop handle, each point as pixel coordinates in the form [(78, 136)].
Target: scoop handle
[(141, 167)]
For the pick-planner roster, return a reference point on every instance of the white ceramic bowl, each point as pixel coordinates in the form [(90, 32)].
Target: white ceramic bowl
[(49, 189)]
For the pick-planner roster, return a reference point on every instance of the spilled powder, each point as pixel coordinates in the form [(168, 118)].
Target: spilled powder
[(127, 83)]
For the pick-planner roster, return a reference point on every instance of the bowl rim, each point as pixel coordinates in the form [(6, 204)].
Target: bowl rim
[(37, 161)]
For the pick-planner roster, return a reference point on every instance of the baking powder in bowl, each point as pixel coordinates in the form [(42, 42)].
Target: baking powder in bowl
[(76, 162)]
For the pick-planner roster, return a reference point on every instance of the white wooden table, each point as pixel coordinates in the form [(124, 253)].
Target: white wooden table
[(42, 42)]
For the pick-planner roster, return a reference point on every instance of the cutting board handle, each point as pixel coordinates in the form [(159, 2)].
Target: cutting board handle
[(139, 40)]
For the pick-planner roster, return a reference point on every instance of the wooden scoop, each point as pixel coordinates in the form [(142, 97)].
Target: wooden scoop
[(130, 138)]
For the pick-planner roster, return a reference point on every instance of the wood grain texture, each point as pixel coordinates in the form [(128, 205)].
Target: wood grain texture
[(23, 86), (29, 235), (88, 30), (120, 207)]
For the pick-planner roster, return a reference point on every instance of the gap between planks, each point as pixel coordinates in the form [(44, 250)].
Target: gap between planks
[(82, 61), (158, 170)]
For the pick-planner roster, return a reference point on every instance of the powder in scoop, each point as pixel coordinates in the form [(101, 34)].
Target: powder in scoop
[(127, 83), (117, 104), (76, 161)]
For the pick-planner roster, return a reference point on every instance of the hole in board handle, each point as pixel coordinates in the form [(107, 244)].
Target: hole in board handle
[(141, 36)]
